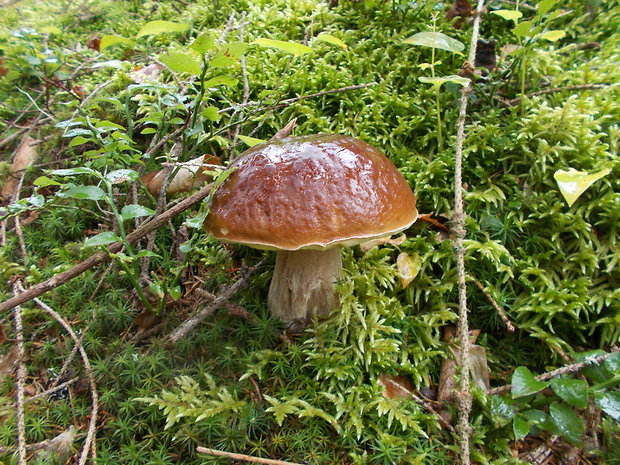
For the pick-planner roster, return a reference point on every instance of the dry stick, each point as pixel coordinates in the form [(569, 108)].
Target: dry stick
[(19, 382), (516, 101), (242, 457), (52, 390), (18, 226), (573, 368), (224, 296), (104, 256), (464, 400), (496, 306), (89, 373)]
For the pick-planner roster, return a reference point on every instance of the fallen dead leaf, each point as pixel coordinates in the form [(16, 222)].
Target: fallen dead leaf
[(148, 73), (25, 156), (408, 267), (58, 449), (396, 386), (8, 361), (460, 9)]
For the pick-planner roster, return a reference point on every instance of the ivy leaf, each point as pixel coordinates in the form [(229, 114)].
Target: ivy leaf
[(510, 15), (609, 402), (289, 47), (181, 62), (573, 183), (251, 141), (84, 193), (108, 41), (330, 39), (524, 383), (103, 238), (571, 391), (566, 422), (436, 40), (160, 27), (228, 55), (135, 211), (520, 427)]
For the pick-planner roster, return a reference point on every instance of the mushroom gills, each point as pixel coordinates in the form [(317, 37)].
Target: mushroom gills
[(303, 285)]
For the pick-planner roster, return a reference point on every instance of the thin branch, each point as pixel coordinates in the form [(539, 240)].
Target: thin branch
[(464, 398), (224, 296), (573, 368), (553, 90), (496, 306), (104, 256), (242, 457), (52, 390), (20, 377)]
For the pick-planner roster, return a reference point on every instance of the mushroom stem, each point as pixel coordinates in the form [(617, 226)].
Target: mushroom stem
[(303, 285)]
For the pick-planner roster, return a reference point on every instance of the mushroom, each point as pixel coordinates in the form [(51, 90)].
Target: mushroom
[(305, 197)]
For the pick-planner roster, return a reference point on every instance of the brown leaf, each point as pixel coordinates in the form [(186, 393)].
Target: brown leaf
[(408, 267), (58, 449), (460, 9), (191, 174), (7, 362), (25, 155), (366, 246), (3, 69), (149, 73), (396, 386), (94, 42), (146, 319)]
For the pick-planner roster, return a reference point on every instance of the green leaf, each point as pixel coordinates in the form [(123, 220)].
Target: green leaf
[(73, 171), (79, 140), (135, 211), (502, 407), (544, 6), (439, 81), (146, 253), (44, 181), (251, 141), (609, 402), (520, 427), (103, 238), (175, 292), (571, 391), (181, 62), (116, 64), (554, 35), (523, 29), (289, 47), (612, 364), (84, 193), (436, 40), (524, 383), (566, 422), (510, 15), (147, 131), (228, 55), (204, 42), (108, 41), (160, 27), (221, 81), (330, 39), (211, 113), (120, 176), (573, 183)]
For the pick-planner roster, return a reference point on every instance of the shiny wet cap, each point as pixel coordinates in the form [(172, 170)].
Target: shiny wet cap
[(311, 192)]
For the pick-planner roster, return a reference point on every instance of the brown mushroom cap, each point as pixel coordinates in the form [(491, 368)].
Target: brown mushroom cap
[(311, 192)]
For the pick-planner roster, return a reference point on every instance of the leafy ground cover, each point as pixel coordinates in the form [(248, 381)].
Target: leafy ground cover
[(111, 90)]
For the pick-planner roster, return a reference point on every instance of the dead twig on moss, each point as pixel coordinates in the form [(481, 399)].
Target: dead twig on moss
[(52, 390), (553, 90), (219, 301), (20, 377), (242, 457), (573, 368), (496, 306)]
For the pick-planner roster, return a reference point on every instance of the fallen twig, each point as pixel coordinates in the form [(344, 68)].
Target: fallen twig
[(464, 398), (104, 256), (553, 90), (52, 390), (242, 457), (496, 306), (573, 368), (223, 297), (20, 377)]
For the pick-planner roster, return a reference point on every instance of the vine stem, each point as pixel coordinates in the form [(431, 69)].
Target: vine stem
[(464, 402)]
